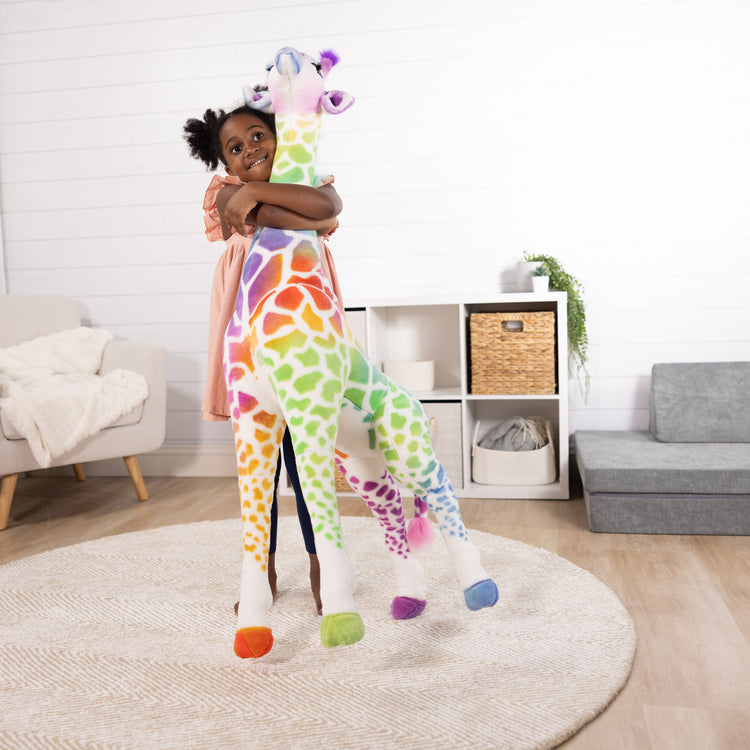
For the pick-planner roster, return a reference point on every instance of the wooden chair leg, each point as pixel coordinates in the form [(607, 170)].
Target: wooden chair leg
[(7, 488), (135, 475), (79, 472)]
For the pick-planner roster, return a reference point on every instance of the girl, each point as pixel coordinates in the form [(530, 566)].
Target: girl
[(244, 141)]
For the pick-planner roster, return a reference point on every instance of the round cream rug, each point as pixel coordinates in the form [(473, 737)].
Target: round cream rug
[(126, 642)]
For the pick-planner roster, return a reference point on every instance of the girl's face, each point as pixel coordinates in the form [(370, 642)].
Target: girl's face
[(248, 147)]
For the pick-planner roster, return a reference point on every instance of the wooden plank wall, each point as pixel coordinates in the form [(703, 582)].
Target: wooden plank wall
[(612, 134)]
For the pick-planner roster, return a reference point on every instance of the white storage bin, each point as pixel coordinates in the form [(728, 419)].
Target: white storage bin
[(414, 375), (513, 467)]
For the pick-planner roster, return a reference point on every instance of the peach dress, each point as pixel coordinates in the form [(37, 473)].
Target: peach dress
[(226, 284)]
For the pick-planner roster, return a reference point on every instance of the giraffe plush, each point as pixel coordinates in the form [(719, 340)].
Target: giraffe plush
[(290, 359)]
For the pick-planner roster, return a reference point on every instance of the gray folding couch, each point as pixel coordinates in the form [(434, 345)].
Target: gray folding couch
[(690, 472)]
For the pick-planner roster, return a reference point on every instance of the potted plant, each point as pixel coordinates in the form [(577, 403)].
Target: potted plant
[(578, 341), (540, 279)]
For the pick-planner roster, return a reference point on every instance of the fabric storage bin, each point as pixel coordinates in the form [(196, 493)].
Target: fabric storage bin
[(513, 467), (512, 352)]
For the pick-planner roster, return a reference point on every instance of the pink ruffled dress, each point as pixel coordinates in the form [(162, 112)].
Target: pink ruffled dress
[(226, 284)]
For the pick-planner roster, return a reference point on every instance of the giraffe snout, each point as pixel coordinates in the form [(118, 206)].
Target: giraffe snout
[(288, 61)]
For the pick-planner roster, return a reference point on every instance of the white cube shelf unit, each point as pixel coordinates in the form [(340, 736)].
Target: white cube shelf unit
[(438, 329)]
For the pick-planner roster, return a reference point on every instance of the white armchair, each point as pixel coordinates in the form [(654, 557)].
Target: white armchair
[(23, 317)]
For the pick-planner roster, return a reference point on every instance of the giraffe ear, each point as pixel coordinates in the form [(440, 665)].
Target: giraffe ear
[(260, 100), (336, 102)]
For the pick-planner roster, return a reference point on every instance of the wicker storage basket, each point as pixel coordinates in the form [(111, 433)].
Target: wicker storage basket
[(513, 352), (340, 481)]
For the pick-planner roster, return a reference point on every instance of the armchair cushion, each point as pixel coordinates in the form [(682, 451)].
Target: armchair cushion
[(53, 395)]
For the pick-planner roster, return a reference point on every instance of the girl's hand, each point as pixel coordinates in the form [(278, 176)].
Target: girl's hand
[(328, 226), (237, 209)]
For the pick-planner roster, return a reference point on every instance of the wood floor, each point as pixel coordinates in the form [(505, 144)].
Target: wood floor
[(689, 596)]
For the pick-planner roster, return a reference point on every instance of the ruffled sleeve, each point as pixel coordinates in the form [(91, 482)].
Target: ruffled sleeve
[(211, 216)]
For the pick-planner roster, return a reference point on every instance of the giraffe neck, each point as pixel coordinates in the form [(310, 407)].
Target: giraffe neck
[(297, 138), (281, 257)]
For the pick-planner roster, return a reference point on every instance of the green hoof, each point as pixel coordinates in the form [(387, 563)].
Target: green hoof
[(341, 629)]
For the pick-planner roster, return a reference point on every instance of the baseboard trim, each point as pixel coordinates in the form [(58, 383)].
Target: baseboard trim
[(205, 461)]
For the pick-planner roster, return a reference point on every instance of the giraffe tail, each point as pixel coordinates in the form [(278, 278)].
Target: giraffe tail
[(419, 532)]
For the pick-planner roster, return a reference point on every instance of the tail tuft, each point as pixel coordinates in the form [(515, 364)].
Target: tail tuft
[(419, 532)]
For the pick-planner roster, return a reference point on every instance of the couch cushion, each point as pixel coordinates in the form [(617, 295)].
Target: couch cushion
[(634, 462), (700, 402)]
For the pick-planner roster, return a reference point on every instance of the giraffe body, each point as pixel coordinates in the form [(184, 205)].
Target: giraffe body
[(290, 359)]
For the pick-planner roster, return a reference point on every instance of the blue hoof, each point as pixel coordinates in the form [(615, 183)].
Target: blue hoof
[(481, 594)]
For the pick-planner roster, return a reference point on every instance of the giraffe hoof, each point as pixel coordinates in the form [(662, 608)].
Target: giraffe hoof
[(481, 594), (406, 607), (252, 642), (341, 629)]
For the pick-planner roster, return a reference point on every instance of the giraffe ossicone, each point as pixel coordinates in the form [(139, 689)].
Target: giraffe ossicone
[(291, 359)]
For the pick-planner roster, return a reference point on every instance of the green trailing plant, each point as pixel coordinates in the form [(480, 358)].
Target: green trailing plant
[(578, 341)]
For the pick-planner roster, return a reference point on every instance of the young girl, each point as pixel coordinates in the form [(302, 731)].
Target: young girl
[(244, 140)]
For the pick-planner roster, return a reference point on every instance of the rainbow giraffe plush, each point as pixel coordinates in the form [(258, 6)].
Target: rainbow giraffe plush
[(290, 359)]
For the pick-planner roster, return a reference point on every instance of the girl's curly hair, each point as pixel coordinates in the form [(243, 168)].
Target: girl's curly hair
[(202, 136)]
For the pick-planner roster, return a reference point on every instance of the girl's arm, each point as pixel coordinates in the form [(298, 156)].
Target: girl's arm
[(278, 205), (282, 218)]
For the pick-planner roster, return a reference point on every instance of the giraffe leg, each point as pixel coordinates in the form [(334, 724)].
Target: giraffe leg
[(314, 441), (479, 589), (257, 433), (404, 436), (379, 490)]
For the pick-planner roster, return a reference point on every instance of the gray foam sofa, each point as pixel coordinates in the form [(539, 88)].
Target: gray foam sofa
[(690, 472)]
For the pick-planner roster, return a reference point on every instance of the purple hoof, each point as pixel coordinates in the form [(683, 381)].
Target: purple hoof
[(406, 607)]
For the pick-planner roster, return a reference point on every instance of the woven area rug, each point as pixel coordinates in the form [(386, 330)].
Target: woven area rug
[(126, 642)]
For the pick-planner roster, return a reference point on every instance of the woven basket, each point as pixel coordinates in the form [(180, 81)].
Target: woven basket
[(513, 352), (341, 484)]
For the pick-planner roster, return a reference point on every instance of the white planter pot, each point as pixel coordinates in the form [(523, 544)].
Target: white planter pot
[(526, 274), (540, 284)]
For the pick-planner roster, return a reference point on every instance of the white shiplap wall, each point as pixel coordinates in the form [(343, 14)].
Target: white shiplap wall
[(613, 134)]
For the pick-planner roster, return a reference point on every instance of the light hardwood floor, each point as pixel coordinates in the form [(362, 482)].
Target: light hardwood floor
[(689, 596)]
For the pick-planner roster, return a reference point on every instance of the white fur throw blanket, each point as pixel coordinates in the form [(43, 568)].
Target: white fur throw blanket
[(51, 394)]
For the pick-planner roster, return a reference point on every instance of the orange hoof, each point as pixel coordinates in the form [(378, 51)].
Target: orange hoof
[(252, 642)]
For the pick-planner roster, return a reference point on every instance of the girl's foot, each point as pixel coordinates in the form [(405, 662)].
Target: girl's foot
[(315, 582)]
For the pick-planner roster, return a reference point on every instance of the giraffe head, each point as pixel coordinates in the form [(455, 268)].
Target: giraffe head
[(296, 84)]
